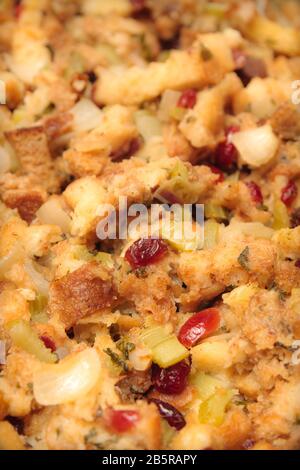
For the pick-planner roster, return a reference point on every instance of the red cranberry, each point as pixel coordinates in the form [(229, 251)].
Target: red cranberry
[(138, 5), (297, 264), (122, 420), (216, 171), (226, 153), (146, 251), (255, 192), (289, 193), (188, 99), (18, 9), (199, 326), (48, 342), (170, 414), (172, 380)]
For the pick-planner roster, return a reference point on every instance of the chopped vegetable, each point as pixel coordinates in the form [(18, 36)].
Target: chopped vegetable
[(68, 380), (211, 355), (169, 352), (248, 142), (148, 125), (24, 337), (212, 411), (281, 216), (213, 211), (206, 385)]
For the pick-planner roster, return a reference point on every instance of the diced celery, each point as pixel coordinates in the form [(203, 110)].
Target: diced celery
[(106, 259), (109, 53), (148, 124), (281, 216), (211, 234), (151, 337), (178, 239), (213, 211), (178, 113), (205, 384), (163, 56), (216, 9), (38, 306), (169, 352), (82, 253), (212, 411), (24, 337)]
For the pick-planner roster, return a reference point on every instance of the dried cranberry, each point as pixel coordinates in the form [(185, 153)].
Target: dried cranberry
[(295, 218), (216, 171), (138, 5), (199, 326), (18, 10), (289, 193), (187, 99), (255, 192), (146, 251), (122, 420), (297, 264), (226, 153), (170, 414), (172, 380), (48, 342)]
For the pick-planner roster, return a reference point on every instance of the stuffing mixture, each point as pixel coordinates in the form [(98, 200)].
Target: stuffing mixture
[(149, 343)]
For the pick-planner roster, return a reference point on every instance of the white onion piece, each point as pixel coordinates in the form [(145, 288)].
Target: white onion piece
[(148, 125), (168, 103), (38, 280), (52, 213), (87, 116), (2, 353), (68, 380), (14, 256), (256, 147)]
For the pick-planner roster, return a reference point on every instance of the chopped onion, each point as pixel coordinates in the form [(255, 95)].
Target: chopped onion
[(52, 213), (38, 280), (87, 116), (2, 352), (68, 380), (148, 125), (168, 104), (14, 256), (257, 147)]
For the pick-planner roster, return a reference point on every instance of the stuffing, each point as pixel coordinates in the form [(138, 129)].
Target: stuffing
[(204, 124), (90, 153), (117, 115), (81, 293), (32, 151)]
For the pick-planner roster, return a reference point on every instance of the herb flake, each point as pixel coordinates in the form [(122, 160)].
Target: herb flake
[(243, 259)]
